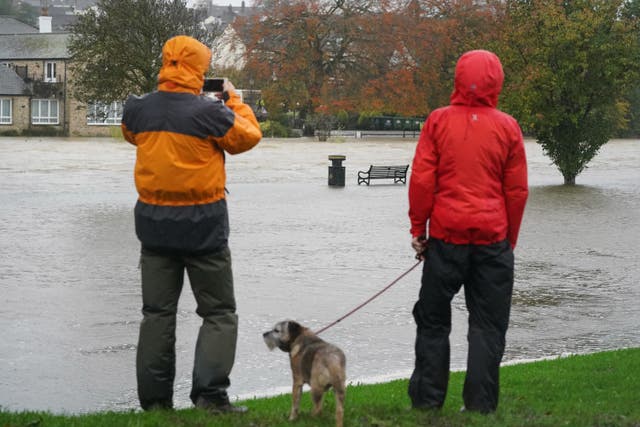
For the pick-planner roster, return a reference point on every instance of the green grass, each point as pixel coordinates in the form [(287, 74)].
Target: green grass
[(601, 389)]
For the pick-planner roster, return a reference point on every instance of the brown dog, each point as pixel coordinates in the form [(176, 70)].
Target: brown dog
[(314, 362)]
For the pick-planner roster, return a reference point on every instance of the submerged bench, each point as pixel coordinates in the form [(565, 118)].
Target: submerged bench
[(397, 173)]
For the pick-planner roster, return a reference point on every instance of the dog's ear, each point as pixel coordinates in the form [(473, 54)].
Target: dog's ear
[(294, 329)]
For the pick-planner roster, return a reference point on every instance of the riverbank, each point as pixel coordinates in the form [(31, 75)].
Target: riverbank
[(599, 389)]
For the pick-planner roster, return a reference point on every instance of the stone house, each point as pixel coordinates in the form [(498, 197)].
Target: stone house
[(36, 87), (36, 82)]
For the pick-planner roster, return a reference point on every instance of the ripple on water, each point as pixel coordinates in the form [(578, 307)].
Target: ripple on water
[(109, 349)]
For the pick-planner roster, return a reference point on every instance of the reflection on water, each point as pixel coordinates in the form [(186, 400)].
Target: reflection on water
[(70, 298)]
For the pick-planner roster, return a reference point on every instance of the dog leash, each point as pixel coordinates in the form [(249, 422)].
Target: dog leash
[(376, 295)]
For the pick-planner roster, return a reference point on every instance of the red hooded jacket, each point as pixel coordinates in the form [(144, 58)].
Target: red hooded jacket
[(469, 174)]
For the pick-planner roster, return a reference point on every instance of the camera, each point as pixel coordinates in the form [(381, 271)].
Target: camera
[(213, 85)]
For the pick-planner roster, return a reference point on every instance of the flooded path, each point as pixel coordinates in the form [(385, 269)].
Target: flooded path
[(69, 283)]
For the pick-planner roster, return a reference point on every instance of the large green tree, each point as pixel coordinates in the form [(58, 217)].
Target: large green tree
[(631, 11), (569, 66), (117, 46)]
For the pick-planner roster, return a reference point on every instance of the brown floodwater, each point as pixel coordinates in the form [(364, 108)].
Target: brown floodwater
[(69, 283)]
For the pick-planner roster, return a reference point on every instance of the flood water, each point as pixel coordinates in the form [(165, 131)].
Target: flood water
[(69, 283)]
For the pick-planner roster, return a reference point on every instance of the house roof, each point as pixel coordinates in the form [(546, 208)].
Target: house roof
[(62, 17), (226, 14), (10, 82), (10, 25), (34, 46)]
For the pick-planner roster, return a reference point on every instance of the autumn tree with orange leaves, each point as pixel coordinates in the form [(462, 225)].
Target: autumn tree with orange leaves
[(304, 52), (362, 55)]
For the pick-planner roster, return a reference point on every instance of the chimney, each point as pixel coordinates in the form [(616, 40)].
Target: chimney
[(44, 22)]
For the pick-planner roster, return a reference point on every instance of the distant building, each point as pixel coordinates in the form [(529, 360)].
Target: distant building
[(228, 51), (35, 87), (35, 74), (63, 16), (224, 14), (9, 25), (40, 60)]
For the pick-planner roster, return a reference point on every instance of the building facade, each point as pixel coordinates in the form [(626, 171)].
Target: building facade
[(36, 82), (36, 88)]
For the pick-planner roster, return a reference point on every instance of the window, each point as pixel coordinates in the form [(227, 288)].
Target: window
[(44, 112), (50, 72), (99, 113), (5, 111)]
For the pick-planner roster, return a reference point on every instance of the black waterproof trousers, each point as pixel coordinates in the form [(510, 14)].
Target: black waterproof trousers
[(212, 284), (487, 274)]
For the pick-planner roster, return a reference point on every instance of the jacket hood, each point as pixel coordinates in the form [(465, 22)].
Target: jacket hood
[(478, 79), (184, 63)]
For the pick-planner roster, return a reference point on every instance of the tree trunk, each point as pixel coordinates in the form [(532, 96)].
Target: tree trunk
[(569, 179)]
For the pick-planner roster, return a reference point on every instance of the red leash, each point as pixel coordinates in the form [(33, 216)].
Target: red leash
[(370, 299)]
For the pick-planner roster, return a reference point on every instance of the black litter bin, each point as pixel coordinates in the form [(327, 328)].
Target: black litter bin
[(336, 170)]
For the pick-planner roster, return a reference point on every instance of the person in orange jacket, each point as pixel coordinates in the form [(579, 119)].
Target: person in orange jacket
[(182, 222), (467, 194)]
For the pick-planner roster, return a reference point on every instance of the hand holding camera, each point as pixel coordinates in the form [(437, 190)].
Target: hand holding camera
[(218, 87), (213, 85)]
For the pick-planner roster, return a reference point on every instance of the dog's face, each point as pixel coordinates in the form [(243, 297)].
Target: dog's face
[(282, 335)]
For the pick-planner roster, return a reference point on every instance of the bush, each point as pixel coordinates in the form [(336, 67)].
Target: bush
[(273, 129), (116, 132), (365, 120)]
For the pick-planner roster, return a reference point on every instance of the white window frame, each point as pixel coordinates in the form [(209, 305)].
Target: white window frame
[(50, 75), (100, 114), (37, 116), (6, 109)]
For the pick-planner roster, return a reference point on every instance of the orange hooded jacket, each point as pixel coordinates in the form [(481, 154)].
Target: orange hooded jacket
[(181, 138), (469, 173)]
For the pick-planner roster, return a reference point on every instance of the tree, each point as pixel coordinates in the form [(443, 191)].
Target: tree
[(433, 34), (631, 11), (117, 46), (569, 65), (356, 56), (308, 52)]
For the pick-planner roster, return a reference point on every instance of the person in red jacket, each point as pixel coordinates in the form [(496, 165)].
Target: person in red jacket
[(467, 193)]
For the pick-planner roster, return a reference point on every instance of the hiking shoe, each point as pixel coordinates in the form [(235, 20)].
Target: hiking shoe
[(221, 407), (480, 411), (159, 406), (426, 408)]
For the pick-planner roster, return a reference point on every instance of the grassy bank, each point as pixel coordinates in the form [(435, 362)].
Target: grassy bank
[(601, 389)]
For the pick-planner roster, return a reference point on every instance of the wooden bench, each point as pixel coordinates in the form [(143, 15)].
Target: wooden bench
[(397, 173)]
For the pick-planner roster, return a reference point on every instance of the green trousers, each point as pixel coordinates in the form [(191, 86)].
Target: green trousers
[(212, 284)]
